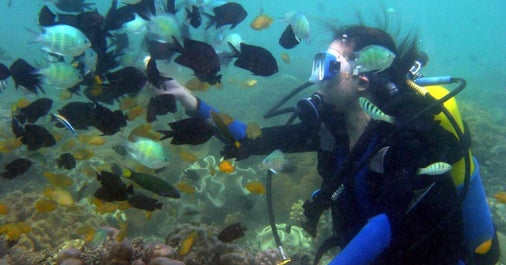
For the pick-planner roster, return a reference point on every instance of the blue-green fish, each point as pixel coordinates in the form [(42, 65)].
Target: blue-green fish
[(300, 26), (373, 58), (163, 28), (61, 75), (152, 183), (63, 40), (148, 152), (373, 111), (434, 169), (275, 161)]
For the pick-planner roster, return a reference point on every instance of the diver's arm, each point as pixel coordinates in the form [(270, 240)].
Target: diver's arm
[(181, 93), (368, 244)]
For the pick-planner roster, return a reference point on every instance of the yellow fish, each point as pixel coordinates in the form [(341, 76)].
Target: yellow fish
[(260, 22), (256, 187), (187, 244), (59, 195)]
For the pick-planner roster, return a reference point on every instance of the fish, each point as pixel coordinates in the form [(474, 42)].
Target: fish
[(249, 83), (148, 152), (5, 73), (193, 16), (163, 28), (107, 121), (36, 137), (59, 180), (288, 40), (275, 161), (187, 244), (195, 84), (260, 22), (66, 160), (227, 14), (185, 187), (63, 40), (4, 209), (232, 232), (154, 76), (255, 59), (16, 168), (125, 81), (33, 111), (135, 26), (226, 167), (65, 122), (373, 58), (60, 196), (300, 26), (159, 50), (88, 61), (61, 75), (500, 196), (26, 75), (144, 202), (112, 188), (192, 131), (77, 6), (191, 175), (221, 121), (374, 112), (253, 130), (47, 17), (256, 187), (152, 183), (160, 105), (10, 144), (45, 206), (79, 114), (434, 169), (285, 57), (200, 57), (13, 231)]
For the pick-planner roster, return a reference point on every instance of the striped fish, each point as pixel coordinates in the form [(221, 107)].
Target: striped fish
[(435, 169), (63, 40), (374, 112), (61, 75), (65, 122)]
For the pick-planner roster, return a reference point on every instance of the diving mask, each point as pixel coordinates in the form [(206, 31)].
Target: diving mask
[(325, 67)]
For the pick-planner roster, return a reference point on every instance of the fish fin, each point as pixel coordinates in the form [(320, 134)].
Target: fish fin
[(130, 189), (158, 205), (177, 45), (212, 19), (166, 134), (234, 50)]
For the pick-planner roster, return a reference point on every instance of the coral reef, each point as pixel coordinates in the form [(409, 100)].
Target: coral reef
[(294, 238)]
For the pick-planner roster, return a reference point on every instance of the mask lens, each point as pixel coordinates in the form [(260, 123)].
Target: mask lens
[(325, 67)]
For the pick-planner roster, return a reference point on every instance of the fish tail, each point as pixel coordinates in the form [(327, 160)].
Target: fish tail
[(177, 45), (166, 134), (212, 19), (37, 36), (234, 50)]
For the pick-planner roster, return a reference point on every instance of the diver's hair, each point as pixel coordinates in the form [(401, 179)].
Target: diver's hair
[(406, 53)]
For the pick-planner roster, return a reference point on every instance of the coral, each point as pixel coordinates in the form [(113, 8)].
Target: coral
[(268, 257), (295, 239)]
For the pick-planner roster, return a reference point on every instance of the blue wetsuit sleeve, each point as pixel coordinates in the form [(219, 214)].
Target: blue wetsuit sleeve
[(236, 128), (370, 242)]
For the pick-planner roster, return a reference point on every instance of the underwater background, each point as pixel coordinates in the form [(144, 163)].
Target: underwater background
[(463, 39)]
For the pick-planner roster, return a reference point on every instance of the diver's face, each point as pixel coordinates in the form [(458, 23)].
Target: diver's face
[(341, 90)]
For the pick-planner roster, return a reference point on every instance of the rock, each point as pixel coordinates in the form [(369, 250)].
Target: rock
[(165, 261)]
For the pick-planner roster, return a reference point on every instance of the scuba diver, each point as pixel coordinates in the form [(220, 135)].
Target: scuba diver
[(397, 172)]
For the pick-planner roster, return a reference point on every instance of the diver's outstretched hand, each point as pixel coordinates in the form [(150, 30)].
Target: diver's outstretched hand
[(181, 93)]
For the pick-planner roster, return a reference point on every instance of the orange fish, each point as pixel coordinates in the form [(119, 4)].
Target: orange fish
[(285, 57), (135, 112), (96, 140), (187, 244), (226, 167), (45, 206), (253, 130), (196, 85), (59, 180), (261, 21), (8, 145), (501, 196), (188, 157), (185, 187), (59, 195), (14, 230), (4, 209), (88, 232), (256, 187)]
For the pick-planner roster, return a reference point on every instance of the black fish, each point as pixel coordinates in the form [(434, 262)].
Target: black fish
[(128, 80), (158, 50), (66, 160), (79, 114), (193, 17), (171, 6), (227, 14), (17, 129), (255, 59), (288, 39), (4, 74), (26, 76), (144, 202), (16, 167), (154, 76), (36, 137), (107, 121), (116, 17), (200, 57), (34, 110), (232, 232), (77, 6), (160, 105), (112, 189), (46, 17), (188, 131)]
